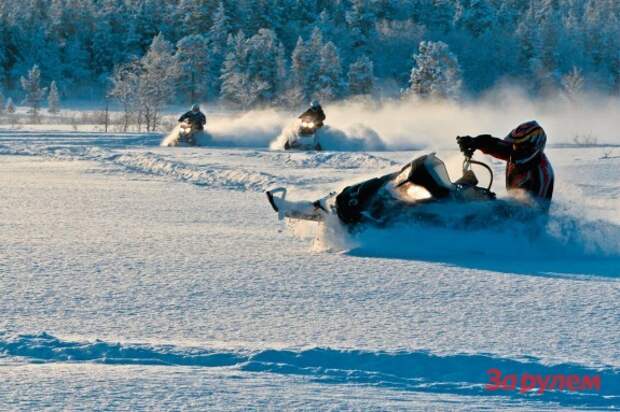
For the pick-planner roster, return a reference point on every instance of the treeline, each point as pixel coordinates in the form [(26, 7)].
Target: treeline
[(254, 52)]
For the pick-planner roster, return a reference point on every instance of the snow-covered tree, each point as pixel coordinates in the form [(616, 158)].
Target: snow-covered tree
[(124, 88), (157, 81), (10, 106), (34, 93), (218, 38), (53, 99), (361, 23), (234, 89), (314, 48), (361, 77), (330, 73), (302, 69), (81, 41), (436, 72), (474, 16), (264, 66), (572, 83), (193, 58)]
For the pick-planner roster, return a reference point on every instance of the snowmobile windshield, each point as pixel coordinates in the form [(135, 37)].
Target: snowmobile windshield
[(428, 172)]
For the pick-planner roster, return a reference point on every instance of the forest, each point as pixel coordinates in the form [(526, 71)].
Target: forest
[(248, 53)]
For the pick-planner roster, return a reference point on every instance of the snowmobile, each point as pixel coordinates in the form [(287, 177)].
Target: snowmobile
[(421, 191), (187, 135), (187, 131), (306, 137)]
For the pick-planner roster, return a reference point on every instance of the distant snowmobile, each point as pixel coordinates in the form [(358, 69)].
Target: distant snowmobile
[(187, 135), (418, 192), (190, 131), (306, 137)]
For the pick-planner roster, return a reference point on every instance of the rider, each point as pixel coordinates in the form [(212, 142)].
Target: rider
[(316, 113), (528, 168), (195, 118)]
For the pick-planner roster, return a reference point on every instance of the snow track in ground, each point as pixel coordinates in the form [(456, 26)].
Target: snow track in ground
[(151, 163), (462, 374), (109, 150)]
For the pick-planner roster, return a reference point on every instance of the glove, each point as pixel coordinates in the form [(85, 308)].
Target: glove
[(467, 144)]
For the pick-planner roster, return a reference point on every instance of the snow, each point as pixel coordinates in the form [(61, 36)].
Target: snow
[(141, 277)]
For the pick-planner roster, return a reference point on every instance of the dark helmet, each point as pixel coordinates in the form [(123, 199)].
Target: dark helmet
[(315, 104), (528, 139), (195, 108)]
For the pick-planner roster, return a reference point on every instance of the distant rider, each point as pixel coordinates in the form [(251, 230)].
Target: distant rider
[(528, 168), (315, 113), (195, 118)]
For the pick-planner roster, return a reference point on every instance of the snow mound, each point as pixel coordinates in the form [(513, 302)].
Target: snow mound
[(218, 177), (355, 138), (464, 374)]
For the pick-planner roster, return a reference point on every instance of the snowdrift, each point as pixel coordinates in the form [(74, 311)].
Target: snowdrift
[(464, 374)]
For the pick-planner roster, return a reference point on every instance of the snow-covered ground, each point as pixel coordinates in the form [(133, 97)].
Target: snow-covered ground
[(140, 277)]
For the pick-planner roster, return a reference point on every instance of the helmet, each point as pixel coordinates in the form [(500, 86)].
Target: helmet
[(528, 140), (195, 108), (314, 104)]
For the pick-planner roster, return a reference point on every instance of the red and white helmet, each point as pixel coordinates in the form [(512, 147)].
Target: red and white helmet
[(528, 139)]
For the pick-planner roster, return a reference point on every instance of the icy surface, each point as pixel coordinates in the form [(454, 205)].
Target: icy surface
[(140, 277)]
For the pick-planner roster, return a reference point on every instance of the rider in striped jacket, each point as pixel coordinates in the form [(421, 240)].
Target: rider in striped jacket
[(528, 168)]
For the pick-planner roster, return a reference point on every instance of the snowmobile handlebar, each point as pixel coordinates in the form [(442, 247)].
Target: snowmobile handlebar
[(469, 161)]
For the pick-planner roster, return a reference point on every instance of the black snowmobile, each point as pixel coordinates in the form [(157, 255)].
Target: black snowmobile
[(421, 191), (306, 137), (187, 131)]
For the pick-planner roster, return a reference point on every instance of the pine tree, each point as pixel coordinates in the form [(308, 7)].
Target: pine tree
[(218, 37), (34, 92), (474, 16), (436, 72), (361, 22), (263, 50), (234, 90), (300, 66), (330, 73), (1, 102), (193, 60), (361, 77), (53, 99)]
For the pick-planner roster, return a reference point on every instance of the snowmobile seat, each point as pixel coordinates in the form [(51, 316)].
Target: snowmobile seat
[(353, 200)]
